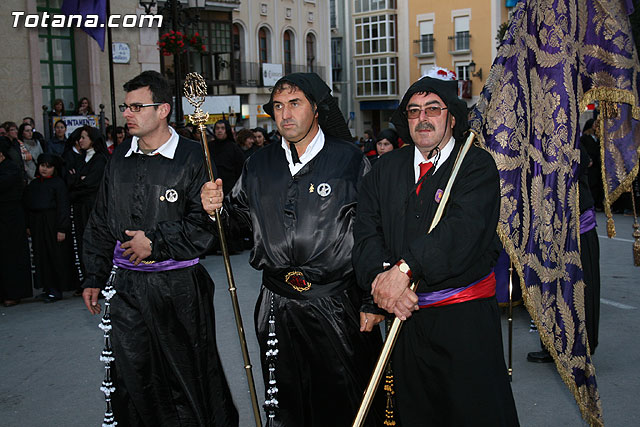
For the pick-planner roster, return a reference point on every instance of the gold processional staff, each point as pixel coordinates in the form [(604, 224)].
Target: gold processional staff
[(195, 90)]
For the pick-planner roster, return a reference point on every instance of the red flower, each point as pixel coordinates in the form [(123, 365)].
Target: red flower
[(204, 48), (442, 72)]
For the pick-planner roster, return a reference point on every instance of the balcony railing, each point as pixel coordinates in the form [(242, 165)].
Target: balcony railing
[(459, 42), (425, 45), (249, 74)]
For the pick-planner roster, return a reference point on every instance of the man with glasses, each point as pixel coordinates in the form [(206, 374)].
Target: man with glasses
[(149, 223), (449, 354)]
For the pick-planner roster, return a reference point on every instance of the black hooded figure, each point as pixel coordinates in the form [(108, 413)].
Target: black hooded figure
[(448, 360), (300, 198), (15, 269), (226, 155), (46, 200), (228, 159)]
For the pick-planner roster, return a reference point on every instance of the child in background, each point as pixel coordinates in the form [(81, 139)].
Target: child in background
[(47, 204)]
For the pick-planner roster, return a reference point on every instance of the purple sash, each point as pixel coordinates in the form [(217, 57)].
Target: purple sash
[(483, 288), (149, 266), (588, 220)]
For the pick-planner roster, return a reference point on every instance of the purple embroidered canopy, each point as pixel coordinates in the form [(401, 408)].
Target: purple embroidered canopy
[(556, 57)]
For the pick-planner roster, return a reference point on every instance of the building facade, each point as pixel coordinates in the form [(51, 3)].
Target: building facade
[(272, 38), (459, 35), (377, 60), (246, 46), (341, 62), (395, 42), (42, 63)]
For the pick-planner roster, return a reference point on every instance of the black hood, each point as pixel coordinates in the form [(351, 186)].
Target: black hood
[(330, 117), (447, 90)]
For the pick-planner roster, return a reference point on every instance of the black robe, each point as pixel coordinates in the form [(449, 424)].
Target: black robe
[(592, 147), (83, 189), (448, 361), (228, 159), (15, 269), (589, 255), (167, 368), (47, 204), (324, 361)]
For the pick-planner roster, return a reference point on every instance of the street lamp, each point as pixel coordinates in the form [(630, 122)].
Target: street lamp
[(148, 5), (472, 68), (179, 18)]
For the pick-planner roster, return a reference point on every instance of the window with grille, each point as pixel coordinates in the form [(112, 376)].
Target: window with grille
[(426, 37), (286, 44), (57, 60), (461, 36), (375, 34), (376, 76), (373, 5)]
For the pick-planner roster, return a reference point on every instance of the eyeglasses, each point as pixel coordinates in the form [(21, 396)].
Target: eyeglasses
[(430, 111), (135, 108)]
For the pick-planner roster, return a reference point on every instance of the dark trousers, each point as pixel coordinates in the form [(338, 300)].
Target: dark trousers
[(450, 369), (167, 370), (324, 362), (590, 258)]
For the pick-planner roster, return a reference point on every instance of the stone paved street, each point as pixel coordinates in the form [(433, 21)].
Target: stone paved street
[(50, 373)]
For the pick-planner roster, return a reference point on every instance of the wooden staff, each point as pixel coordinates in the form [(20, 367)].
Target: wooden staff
[(195, 90), (390, 341)]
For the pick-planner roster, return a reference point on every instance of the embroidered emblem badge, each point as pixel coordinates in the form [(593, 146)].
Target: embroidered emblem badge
[(296, 280), (439, 195), (171, 195), (311, 188), (324, 189)]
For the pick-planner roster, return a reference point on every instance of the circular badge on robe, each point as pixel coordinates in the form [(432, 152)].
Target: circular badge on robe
[(324, 189), (171, 195)]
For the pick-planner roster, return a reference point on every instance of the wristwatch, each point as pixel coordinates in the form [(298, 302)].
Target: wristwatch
[(404, 268)]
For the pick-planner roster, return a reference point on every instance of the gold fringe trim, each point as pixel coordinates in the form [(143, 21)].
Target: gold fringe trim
[(625, 185), (593, 418), (610, 94), (636, 232)]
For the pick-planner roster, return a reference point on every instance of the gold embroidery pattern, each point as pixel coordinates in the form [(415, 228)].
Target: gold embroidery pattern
[(532, 121)]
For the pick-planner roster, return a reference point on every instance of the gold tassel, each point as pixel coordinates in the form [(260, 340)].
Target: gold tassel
[(611, 228), (388, 389)]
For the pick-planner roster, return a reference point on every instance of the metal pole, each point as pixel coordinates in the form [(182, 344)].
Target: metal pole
[(390, 342), (195, 89), (111, 79), (177, 66), (510, 321)]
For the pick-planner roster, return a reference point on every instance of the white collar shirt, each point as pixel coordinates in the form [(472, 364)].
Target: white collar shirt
[(168, 149), (419, 158), (314, 147)]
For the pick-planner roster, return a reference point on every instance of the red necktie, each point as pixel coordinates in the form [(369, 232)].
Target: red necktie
[(424, 168)]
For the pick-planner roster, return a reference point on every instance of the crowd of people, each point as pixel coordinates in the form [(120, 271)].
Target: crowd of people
[(49, 189), (137, 199)]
